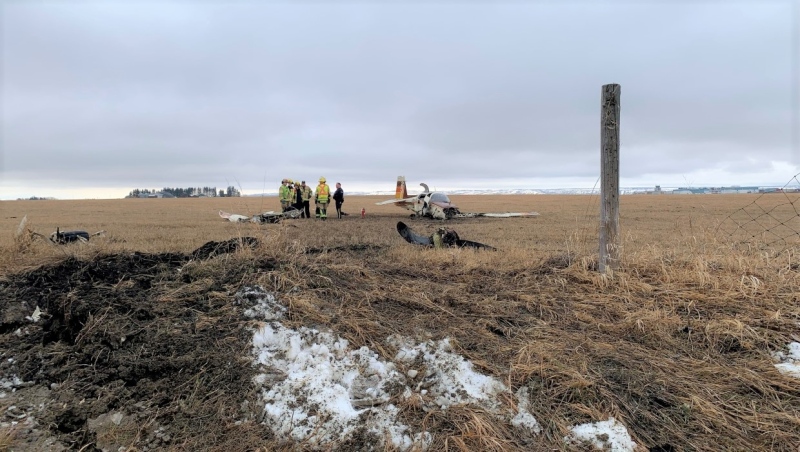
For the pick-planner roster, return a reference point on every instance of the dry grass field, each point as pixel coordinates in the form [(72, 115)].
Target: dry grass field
[(678, 345)]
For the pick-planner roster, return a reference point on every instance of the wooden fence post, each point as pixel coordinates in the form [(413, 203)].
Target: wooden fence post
[(609, 187)]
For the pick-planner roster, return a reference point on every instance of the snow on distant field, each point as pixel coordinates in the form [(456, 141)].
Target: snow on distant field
[(318, 390), (789, 362)]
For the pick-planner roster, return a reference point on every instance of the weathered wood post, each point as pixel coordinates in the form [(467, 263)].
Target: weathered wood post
[(609, 187)]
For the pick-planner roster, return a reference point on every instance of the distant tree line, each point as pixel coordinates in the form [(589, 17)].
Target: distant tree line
[(36, 198), (190, 192)]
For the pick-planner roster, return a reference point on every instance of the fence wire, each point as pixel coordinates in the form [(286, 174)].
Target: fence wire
[(772, 219)]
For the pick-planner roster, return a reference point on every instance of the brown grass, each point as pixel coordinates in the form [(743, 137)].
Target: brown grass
[(9, 436), (676, 344)]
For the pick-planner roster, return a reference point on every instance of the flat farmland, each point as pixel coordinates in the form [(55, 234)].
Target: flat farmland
[(156, 225), (178, 330)]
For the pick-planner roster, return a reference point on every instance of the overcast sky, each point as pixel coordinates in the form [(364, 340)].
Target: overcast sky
[(99, 98)]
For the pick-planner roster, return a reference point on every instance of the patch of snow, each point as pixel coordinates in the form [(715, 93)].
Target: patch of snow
[(607, 435), (11, 382), (450, 378), (259, 303), (319, 391), (789, 362), (524, 420), (320, 380)]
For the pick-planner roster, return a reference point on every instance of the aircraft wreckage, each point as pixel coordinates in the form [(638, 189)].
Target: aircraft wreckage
[(266, 217), (442, 238), (437, 205), (58, 237)]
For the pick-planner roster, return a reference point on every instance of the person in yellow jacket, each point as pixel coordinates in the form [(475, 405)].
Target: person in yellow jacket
[(322, 196), (284, 195)]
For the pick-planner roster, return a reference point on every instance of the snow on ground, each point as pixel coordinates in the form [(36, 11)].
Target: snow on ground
[(789, 362), (318, 390), (606, 435), (259, 304), (450, 379), (524, 419), (15, 410), (9, 383)]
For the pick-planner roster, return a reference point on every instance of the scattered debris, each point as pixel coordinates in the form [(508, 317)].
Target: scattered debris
[(260, 218), (442, 238), (37, 314)]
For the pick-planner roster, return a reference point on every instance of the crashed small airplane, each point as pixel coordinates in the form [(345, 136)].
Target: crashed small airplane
[(59, 237), (266, 217), (442, 238), (437, 205)]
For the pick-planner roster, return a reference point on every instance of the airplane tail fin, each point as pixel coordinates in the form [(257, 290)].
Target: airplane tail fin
[(401, 192)]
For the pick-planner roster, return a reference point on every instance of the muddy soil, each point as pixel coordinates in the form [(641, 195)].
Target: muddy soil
[(127, 350)]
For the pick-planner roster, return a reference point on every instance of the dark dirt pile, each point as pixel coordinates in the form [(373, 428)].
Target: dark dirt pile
[(130, 334)]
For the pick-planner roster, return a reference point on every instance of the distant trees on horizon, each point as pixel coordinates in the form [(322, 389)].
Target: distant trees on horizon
[(190, 192)]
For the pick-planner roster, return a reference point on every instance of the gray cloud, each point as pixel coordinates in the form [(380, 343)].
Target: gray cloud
[(154, 94)]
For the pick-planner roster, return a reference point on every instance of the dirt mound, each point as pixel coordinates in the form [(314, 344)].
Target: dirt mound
[(212, 249), (132, 338)]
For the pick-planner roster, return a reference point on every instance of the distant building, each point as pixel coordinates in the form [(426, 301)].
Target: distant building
[(158, 194)]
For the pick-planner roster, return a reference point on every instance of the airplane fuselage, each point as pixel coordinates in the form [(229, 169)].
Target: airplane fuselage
[(437, 205), (427, 204), (434, 205)]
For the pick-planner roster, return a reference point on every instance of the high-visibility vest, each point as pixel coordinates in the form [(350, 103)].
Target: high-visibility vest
[(306, 192), (323, 192), (283, 193)]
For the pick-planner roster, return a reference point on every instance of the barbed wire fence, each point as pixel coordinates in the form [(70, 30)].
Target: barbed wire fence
[(772, 219)]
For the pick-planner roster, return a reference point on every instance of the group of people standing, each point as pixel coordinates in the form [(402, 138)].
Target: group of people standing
[(297, 195)]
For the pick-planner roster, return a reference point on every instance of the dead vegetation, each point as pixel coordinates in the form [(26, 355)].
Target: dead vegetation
[(677, 344)]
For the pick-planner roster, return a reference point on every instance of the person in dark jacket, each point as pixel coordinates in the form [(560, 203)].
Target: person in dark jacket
[(298, 197), (338, 196)]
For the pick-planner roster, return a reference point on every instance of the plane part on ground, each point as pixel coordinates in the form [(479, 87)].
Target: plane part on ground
[(266, 217), (63, 237), (412, 237), (442, 238), (498, 215), (69, 236)]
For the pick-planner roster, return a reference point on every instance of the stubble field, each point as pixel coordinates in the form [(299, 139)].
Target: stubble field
[(144, 340)]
